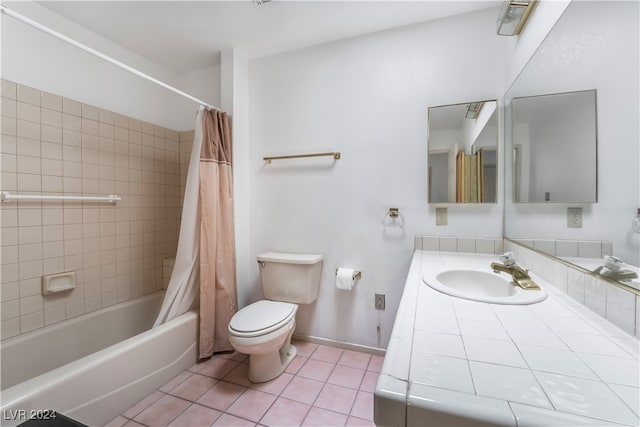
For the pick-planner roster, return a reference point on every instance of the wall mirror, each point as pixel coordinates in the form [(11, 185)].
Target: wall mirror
[(462, 153), (554, 148), (592, 50)]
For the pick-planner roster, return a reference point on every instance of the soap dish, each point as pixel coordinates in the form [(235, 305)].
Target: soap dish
[(61, 282)]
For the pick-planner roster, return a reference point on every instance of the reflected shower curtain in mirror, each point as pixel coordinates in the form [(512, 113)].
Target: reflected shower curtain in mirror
[(218, 298)]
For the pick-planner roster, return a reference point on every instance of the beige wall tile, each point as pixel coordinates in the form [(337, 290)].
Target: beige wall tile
[(28, 95), (52, 151), (30, 252), (90, 127), (27, 129), (50, 101), (90, 112), (71, 107), (28, 147), (8, 89), (9, 254), (9, 126), (54, 315), (71, 122), (31, 321), (51, 167), (9, 107), (30, 165), (8, 144), (30, 269), (28, 112), (52, 184), (10, 291), (52, 233), (51, 118)]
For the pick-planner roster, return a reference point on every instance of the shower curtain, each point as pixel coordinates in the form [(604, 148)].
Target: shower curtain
[(217, 242), (204, 270)]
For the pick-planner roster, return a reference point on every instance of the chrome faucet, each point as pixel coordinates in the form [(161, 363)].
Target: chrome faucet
[(612, 269), (519, 274)]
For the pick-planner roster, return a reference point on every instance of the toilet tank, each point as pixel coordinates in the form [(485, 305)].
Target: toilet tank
[(290, 277)]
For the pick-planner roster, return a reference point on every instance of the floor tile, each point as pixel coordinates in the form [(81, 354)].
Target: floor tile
[(275, 386), (303, 390), (354, 359), (252, 404), (375, 364), (332, 388), (227, 420), (239, 375), (346, 376), (359, 422), (175, 381), (316, 370), (196, 415), (163, 411), (221, 396), (285, 412), (143, 404), (369, 381), (193, 387), (217, 367), (304, 348), (118, 421), (323, 418), (336, 398), (363, 406), (326, 354), (295, 365)]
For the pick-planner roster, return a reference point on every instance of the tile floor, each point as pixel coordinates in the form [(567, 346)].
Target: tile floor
[(323, 386)]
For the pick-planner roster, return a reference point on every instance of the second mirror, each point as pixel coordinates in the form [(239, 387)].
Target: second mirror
[(462, 149)]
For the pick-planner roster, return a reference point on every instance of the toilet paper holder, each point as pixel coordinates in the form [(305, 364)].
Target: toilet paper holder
[(357, 275)]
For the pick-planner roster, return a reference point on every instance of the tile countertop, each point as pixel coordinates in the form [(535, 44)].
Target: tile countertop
[(457, 362)]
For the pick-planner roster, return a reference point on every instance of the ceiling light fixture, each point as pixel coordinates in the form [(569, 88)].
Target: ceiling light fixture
[(260, 2), (473, 110), (513, 16)]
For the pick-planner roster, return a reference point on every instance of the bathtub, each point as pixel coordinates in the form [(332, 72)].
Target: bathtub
[(93, 367)]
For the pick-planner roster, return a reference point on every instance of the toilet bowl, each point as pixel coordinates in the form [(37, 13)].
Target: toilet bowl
[(263, 330)]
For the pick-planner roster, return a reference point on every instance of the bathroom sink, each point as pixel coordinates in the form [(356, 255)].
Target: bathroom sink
[(478, 285)]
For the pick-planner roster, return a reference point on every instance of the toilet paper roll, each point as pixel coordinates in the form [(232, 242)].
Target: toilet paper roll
[(344, 278)]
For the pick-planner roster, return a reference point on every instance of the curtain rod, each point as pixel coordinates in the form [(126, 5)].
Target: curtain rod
[(100, 55)]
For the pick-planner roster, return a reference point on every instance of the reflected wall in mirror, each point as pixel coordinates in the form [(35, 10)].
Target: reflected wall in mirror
[(554, 148), (462, 150), (594, 45)]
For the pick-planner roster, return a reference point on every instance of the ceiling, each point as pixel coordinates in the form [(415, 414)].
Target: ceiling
[(185, 36)]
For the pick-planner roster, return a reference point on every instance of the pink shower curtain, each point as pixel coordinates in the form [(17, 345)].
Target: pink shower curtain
[(218, 296)]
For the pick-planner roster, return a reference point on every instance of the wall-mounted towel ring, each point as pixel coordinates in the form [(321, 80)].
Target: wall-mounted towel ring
[(393, 219)]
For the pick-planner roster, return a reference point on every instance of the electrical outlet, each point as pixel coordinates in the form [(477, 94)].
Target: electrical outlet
[(380, 301), (574, 217), (441, 216)]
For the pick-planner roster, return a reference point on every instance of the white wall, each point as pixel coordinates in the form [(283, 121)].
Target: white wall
[(33, 58), (595, 46), (367, 98)]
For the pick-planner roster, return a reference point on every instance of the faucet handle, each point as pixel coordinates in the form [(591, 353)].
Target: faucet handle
[(507, 258)]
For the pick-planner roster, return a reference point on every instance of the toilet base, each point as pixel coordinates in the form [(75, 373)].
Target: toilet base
[(265, 367)]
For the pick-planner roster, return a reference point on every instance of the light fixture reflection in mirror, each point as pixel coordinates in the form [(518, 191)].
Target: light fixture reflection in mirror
[(462, 153)]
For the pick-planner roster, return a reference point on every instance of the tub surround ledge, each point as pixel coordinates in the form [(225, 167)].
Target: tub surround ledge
[(452, 361)]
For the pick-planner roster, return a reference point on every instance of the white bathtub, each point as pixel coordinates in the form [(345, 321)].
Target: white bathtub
[(95, 366)]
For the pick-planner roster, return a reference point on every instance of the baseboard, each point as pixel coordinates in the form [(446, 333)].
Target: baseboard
[(339, 344)]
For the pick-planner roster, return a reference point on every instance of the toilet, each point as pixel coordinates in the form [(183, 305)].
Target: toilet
[(263, 330)]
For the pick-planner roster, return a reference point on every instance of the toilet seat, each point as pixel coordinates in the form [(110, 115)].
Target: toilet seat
[(261, 317)]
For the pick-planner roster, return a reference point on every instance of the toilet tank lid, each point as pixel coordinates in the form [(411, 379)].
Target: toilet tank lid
[(289, 258)]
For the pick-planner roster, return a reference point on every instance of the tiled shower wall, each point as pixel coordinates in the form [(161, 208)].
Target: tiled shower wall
[(55, 145)]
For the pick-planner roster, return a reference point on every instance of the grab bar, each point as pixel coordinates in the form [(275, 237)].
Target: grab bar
[(6, 196), (335, 155)]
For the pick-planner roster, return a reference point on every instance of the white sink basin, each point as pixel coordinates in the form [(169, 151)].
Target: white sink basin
[(478, 285)]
